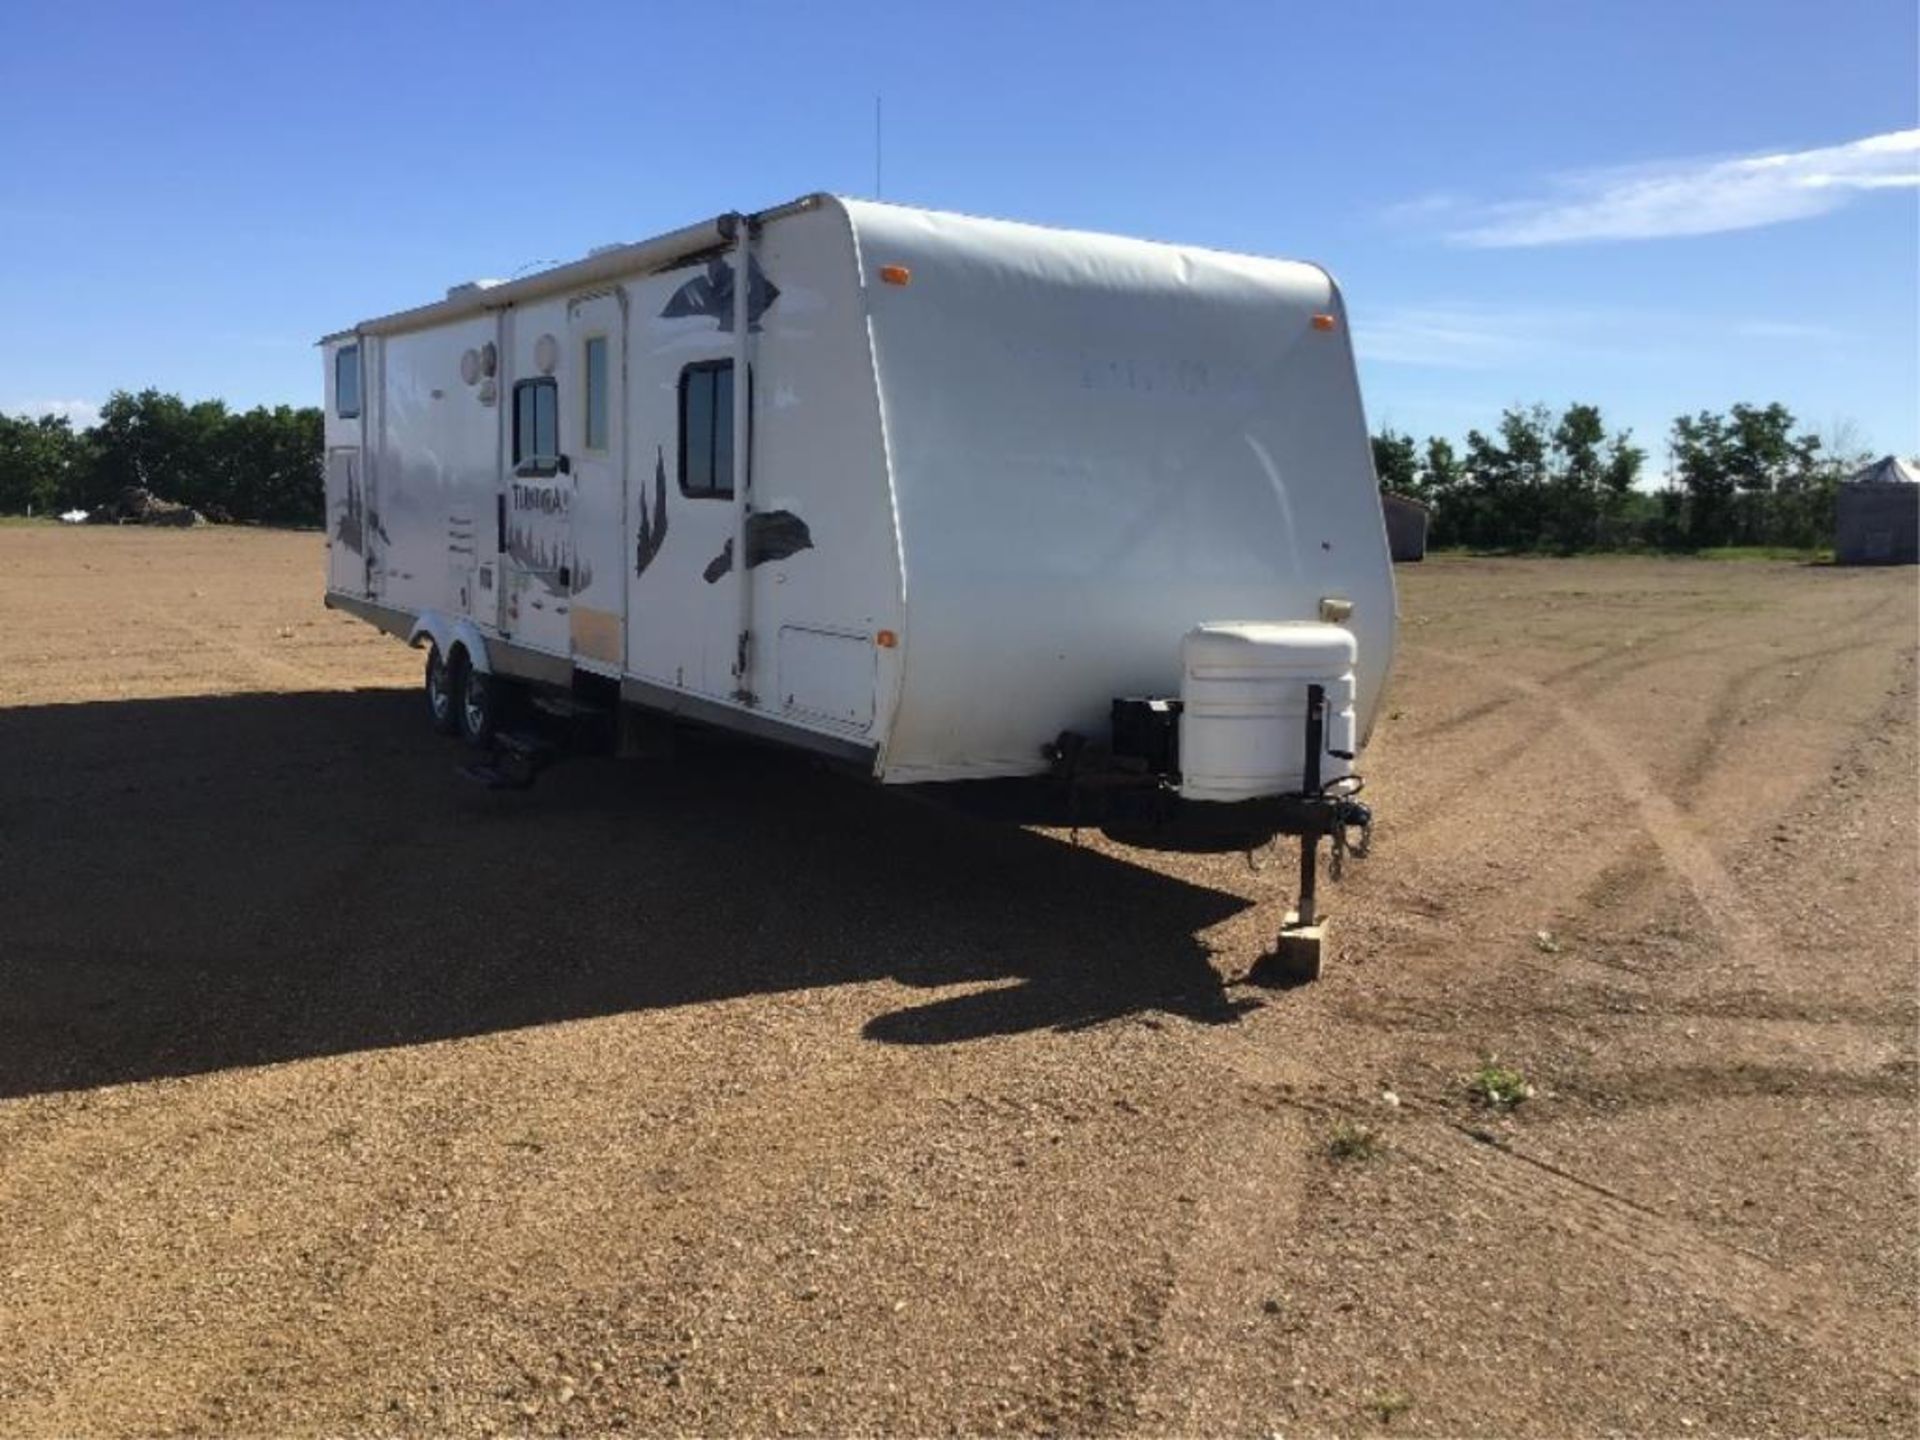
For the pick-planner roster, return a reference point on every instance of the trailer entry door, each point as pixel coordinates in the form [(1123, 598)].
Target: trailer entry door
[(536, 517), (593, 433)]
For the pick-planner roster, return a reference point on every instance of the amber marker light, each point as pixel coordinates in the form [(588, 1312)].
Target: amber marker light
[(1323, 322), (886, 639), (896, 274)]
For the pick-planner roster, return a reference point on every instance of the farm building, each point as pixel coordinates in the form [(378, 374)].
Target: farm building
[(1877, 515), (1406, 526)]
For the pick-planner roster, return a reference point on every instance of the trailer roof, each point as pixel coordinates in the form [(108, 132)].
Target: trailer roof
[(658, 253), (602, 264)]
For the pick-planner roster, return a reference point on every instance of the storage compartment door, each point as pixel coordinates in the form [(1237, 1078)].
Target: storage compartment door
[(827, 675)]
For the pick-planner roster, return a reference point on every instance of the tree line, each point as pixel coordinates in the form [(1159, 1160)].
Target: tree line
[(262, 464), (1566, 483), (1539, 481)]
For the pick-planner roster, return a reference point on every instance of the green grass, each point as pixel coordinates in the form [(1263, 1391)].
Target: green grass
[(1817, 556), (1354, 1142), (1388, 1403), (1500, 1086)]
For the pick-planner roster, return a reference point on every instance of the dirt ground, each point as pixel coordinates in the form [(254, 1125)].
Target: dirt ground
[(339, 1095)]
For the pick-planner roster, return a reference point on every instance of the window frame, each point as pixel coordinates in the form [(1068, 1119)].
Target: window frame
[(343, 353), (532, 464), (605, 343), (718, 365)]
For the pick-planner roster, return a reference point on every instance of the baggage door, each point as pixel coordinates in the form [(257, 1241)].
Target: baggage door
[(350, 541), (593, 436)]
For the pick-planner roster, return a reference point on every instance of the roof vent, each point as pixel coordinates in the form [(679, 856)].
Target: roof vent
[(606, 249), (471, 287)]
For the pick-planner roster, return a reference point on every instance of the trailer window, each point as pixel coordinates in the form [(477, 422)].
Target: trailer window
[(346, 382), (706, 429), (596, 392), (536, 423)]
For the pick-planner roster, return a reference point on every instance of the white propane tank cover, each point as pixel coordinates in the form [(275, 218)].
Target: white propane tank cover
[(1243, 721)]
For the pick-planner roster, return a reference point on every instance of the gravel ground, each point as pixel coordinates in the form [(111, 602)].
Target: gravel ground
[(338, 1095)]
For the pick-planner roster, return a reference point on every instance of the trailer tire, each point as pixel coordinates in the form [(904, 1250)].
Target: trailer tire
[(481, 698), (443, 693)]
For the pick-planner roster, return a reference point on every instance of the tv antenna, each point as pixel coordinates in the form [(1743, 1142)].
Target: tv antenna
[(876, 148)]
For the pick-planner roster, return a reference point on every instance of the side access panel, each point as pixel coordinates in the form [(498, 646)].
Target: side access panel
[(353, 526)]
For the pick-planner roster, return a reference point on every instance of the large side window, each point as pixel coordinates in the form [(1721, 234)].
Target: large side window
[(536, 425), (346, 382), (706, 429), (595, 391)]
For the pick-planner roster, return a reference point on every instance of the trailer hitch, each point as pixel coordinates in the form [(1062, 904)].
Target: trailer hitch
[(1330, 811)]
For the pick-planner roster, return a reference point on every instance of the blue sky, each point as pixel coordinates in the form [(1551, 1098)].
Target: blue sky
[(1657, 207)]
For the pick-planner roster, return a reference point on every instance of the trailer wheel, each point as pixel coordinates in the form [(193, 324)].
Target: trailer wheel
[(443, 698), (480, 700)]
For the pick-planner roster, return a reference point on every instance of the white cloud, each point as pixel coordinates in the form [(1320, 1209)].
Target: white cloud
[(1449, 335), (1788, 330), (83, 413), (1685, 197), (1457, 334)]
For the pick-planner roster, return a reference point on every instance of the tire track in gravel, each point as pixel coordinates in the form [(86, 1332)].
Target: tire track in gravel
[(1613, 663), (309, 679), (1746, 1283), (1683, 849), (1254, 1181)]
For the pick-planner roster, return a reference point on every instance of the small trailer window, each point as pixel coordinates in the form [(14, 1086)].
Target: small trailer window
[(706, 429), (346, 382), (596, 393), (536, 423)]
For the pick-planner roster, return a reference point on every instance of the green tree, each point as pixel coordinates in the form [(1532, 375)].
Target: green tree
[(162, 444), (1619, 472), (1396, 461), (272, 459), (1703, 469), (1749, 479), (1766, 458), (262, 464), (39, 462), (1572, 513), (1443, 481)]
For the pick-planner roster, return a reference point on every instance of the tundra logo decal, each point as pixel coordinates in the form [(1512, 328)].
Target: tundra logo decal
[(653, 526), (771, 535), (540, 546), (712, 294), (545, 499)]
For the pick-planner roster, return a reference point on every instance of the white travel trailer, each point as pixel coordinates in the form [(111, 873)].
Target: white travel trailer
[(1091, 518)]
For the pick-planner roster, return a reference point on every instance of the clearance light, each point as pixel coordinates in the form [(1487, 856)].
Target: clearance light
[(896, 274), (1323, 322), (886, 639)]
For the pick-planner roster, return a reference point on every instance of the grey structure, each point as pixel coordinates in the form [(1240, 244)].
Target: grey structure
[(1406, 526), (1877, 516)]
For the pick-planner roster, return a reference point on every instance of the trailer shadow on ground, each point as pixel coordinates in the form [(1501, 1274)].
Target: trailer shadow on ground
[(217, 881)]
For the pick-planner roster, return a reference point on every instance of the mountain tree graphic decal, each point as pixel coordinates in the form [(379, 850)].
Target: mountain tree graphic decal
[(771, 535), (712, 294), (653, 524)]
